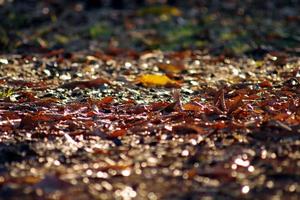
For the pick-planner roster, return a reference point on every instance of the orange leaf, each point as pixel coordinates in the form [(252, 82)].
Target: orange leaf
[(193, 107), (171, 68)]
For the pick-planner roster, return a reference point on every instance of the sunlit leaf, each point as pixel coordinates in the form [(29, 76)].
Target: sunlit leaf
[(157, 80)]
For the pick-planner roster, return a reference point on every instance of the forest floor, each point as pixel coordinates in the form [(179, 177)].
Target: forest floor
[(195, 101)]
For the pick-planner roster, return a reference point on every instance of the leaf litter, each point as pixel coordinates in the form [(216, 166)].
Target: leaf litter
[(143, 123)]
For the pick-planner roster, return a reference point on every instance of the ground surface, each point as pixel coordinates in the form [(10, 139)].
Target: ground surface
[(188, 102)]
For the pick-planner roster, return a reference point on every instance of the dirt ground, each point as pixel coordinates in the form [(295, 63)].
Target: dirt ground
[(193, 100)]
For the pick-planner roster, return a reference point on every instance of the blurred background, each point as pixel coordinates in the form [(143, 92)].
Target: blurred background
[(229, 27)]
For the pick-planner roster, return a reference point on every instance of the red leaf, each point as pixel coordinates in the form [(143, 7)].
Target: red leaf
[(117, 133), (106, 100), (265, 84)]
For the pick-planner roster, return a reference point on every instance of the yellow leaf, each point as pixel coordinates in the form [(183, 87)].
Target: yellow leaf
[(157, 80)]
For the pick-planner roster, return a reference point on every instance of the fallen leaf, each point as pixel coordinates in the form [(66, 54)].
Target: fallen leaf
[(157, 80), (193, 106), (117, 133), (85, 84), (170, 67), (265, 83), (235, 103), (188, 129)]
